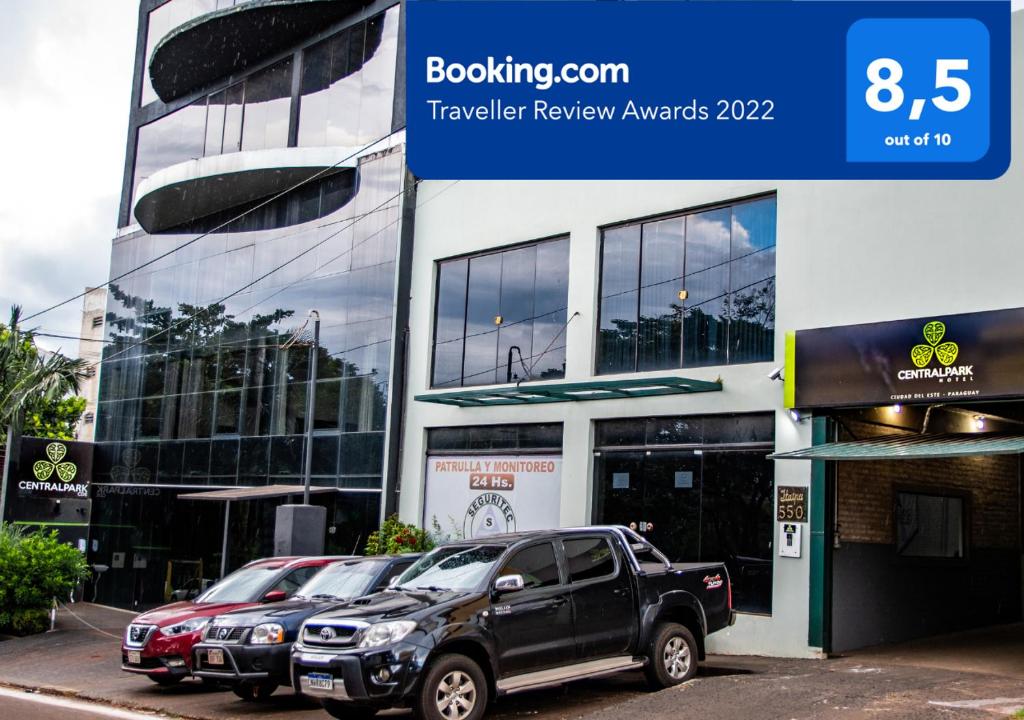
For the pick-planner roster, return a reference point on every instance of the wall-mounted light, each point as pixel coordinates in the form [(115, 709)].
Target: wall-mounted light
[(683, 294), (796, 416), (897, 408), (979, 422), (498, 319)]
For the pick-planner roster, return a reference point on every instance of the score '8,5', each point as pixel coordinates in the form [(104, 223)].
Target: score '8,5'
[(891, 84)]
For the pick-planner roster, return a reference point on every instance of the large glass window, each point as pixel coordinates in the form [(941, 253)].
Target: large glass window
[(250, 115), (692, 290), (348, 83), (164, 19), (500, 317), (700, 488)]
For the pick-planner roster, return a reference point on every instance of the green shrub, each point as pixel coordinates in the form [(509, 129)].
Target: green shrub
[(396, 537), (35, 568)]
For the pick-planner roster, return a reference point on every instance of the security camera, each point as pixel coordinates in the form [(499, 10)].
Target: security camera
[(776, 374)]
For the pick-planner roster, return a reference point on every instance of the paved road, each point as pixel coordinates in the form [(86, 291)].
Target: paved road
[(36, 706), (901, 684)]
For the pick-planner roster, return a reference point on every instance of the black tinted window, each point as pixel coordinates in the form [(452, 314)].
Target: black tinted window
[(536, 564), (589, 558), (296, 579)]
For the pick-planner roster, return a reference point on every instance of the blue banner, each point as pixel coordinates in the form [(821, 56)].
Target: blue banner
[(706, 90)]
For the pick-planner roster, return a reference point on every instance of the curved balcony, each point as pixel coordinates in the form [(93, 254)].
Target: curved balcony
[(227, 41), (182, 194)]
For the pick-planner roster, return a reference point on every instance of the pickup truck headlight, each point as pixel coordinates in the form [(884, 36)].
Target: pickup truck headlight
[(385, 633), (193, 625), (267, 634)]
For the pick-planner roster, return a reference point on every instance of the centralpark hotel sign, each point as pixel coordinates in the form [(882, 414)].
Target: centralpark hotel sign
[(938, 358)]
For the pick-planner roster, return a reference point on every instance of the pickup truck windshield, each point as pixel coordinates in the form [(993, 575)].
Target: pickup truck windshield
[(344, 580), (454, 567)]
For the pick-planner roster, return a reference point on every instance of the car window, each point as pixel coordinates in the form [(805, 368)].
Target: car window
[(589, 558), (396, 570), (343, 580), (536, 564), (295, 579), (453, 567), (240, 586)]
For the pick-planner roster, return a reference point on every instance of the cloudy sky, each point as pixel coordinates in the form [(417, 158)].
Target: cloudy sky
[(66, 89)]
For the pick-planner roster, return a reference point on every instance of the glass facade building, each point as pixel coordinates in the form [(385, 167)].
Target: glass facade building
[(206, 378)]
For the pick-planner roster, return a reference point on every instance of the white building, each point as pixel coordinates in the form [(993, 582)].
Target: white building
[(694, 464), (90, 349)]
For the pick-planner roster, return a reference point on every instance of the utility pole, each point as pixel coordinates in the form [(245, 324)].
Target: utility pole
[(300, 529), (311, 407)]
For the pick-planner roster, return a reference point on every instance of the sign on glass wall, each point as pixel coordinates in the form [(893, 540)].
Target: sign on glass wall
[(471, 496)]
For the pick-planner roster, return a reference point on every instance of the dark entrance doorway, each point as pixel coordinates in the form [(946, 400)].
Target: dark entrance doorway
[(699, 487)]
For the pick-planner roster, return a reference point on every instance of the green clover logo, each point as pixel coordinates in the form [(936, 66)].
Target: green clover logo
[(946, 353), (43, 469)]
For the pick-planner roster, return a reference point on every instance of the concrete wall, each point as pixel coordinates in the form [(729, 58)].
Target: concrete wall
[(848, 252)]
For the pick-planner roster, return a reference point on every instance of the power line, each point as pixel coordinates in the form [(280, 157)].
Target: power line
[(307, 275), (207, 233), (262, 277)]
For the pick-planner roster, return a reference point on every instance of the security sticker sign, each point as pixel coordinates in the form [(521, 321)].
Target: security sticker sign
[(477, 496)]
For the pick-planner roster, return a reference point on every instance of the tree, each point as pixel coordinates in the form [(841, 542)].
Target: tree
[(57, 420), (29, 377)]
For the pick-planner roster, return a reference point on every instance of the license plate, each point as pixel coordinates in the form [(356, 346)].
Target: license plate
[(321, 681), (214, 657), (134, 657)]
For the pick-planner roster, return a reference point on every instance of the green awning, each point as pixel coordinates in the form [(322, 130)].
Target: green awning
[(912, 447), (531, 393)]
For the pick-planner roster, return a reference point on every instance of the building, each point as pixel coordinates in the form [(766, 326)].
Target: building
[(617, 353), (90, 345), (264, 178)]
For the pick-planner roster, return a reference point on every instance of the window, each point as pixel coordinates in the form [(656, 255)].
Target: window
[(589, 558), (296, 579), (687, 291), (500, 317), (89, 418), (536, 564), (97, 321), (930, 526), (347, 84), (539, 437)]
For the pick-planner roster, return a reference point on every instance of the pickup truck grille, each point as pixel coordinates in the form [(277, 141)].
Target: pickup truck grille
[(225, 634), (330, 635), (137, 636)]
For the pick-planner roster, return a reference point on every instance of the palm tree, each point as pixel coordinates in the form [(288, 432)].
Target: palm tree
[(26, 375)]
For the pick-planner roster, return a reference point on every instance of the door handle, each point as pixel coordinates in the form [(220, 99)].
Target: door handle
[(559, 602), (620, 592)]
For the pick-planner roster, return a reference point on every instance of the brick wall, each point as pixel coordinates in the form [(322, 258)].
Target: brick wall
[(865, 493)]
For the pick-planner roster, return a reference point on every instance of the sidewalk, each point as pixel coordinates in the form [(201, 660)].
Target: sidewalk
[(83, 662)]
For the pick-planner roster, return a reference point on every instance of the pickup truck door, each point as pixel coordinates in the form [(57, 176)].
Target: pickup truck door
[(603, 599), (533, 628)]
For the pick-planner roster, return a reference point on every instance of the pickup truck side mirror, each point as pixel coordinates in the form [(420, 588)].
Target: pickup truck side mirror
[(509, 584), (393, 581), (275, 596)]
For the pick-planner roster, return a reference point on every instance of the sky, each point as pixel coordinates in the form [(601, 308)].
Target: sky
[(66, 90), (66, 93)]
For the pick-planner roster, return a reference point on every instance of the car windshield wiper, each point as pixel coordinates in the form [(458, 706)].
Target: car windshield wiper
[(325, 596), (432, 588)]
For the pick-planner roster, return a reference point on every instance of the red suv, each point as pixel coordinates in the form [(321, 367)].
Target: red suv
[(158, 643)]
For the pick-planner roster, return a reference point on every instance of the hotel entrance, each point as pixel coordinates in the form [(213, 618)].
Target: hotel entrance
[(916, 517)]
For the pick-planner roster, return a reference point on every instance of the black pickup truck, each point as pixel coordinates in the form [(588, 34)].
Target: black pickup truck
[(473, 620)]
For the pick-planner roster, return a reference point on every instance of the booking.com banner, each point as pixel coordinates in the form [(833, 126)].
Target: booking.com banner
[(705, 90)]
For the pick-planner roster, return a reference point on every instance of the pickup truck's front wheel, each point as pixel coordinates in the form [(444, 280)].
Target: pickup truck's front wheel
[(672, 658), (454, 688)]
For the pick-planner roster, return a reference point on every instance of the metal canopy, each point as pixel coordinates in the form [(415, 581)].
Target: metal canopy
[(572, 392), (912, 447), (252, 493)]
